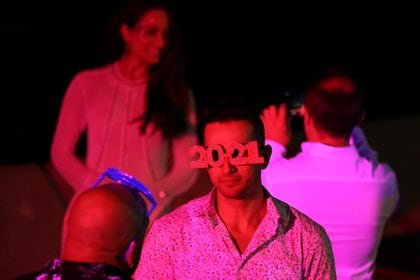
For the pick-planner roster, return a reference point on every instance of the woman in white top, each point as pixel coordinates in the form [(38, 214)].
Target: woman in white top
[(137, 111)]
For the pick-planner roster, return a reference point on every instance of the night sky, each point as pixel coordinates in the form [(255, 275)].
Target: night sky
[(256, 49)]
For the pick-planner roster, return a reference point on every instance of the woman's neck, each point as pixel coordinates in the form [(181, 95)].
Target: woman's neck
[(131, 69)]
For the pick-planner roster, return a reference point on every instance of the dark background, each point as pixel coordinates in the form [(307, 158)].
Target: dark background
[(258, 49), (254, 48)]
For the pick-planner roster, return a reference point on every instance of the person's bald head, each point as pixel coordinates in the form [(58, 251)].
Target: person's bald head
[(102, 222)]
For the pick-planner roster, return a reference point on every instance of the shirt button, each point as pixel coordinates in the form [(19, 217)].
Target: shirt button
[(162, 194)]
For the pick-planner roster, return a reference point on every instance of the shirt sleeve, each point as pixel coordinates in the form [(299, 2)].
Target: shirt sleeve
[(359, 140), (71, 125), (268, 174), (277, 149)]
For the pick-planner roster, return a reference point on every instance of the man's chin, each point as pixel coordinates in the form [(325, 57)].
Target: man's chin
[(228, 184)]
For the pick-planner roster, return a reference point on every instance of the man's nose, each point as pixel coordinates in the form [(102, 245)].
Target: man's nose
[(227, 166)]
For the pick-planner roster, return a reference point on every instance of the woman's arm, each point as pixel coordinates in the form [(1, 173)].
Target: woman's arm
[(70, 126)]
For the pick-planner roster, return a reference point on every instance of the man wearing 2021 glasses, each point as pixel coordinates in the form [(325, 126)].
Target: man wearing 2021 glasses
[(104, 230), (237, 231)]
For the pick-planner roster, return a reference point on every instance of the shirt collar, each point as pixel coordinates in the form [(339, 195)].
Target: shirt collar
[(326, 151), (277, 217)]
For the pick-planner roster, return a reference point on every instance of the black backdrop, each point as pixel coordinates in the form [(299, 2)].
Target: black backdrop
[(258, 49)]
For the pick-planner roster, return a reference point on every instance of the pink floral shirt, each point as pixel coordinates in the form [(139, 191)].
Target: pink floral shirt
[(193, 243)]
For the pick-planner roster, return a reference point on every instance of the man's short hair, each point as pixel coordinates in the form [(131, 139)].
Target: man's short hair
[(234, 109), (334, 101)]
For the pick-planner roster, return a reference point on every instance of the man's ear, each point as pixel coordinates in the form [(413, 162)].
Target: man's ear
[(132, 255), (305, 115), (266, 153)]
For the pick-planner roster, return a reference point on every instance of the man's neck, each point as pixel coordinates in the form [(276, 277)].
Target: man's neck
[(242, 217), (328, 139)]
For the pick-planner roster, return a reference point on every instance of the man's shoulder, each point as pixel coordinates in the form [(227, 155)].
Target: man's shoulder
[(308, 225), (298, 220), (185, 212), (60, 269)]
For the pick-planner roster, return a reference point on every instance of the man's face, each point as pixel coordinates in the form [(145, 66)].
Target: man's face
[(232, 181)]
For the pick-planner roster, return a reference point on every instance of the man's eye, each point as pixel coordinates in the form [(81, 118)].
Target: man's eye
[(215, 155), (235, 153)]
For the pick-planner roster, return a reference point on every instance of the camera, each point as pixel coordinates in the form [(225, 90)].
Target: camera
[(294, 101)]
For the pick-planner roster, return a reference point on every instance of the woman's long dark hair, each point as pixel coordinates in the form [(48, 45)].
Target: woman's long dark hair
[(167, 98)]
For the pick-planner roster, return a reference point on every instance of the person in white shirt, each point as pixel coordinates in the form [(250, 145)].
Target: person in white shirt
[(137, 111), (336, 178)]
